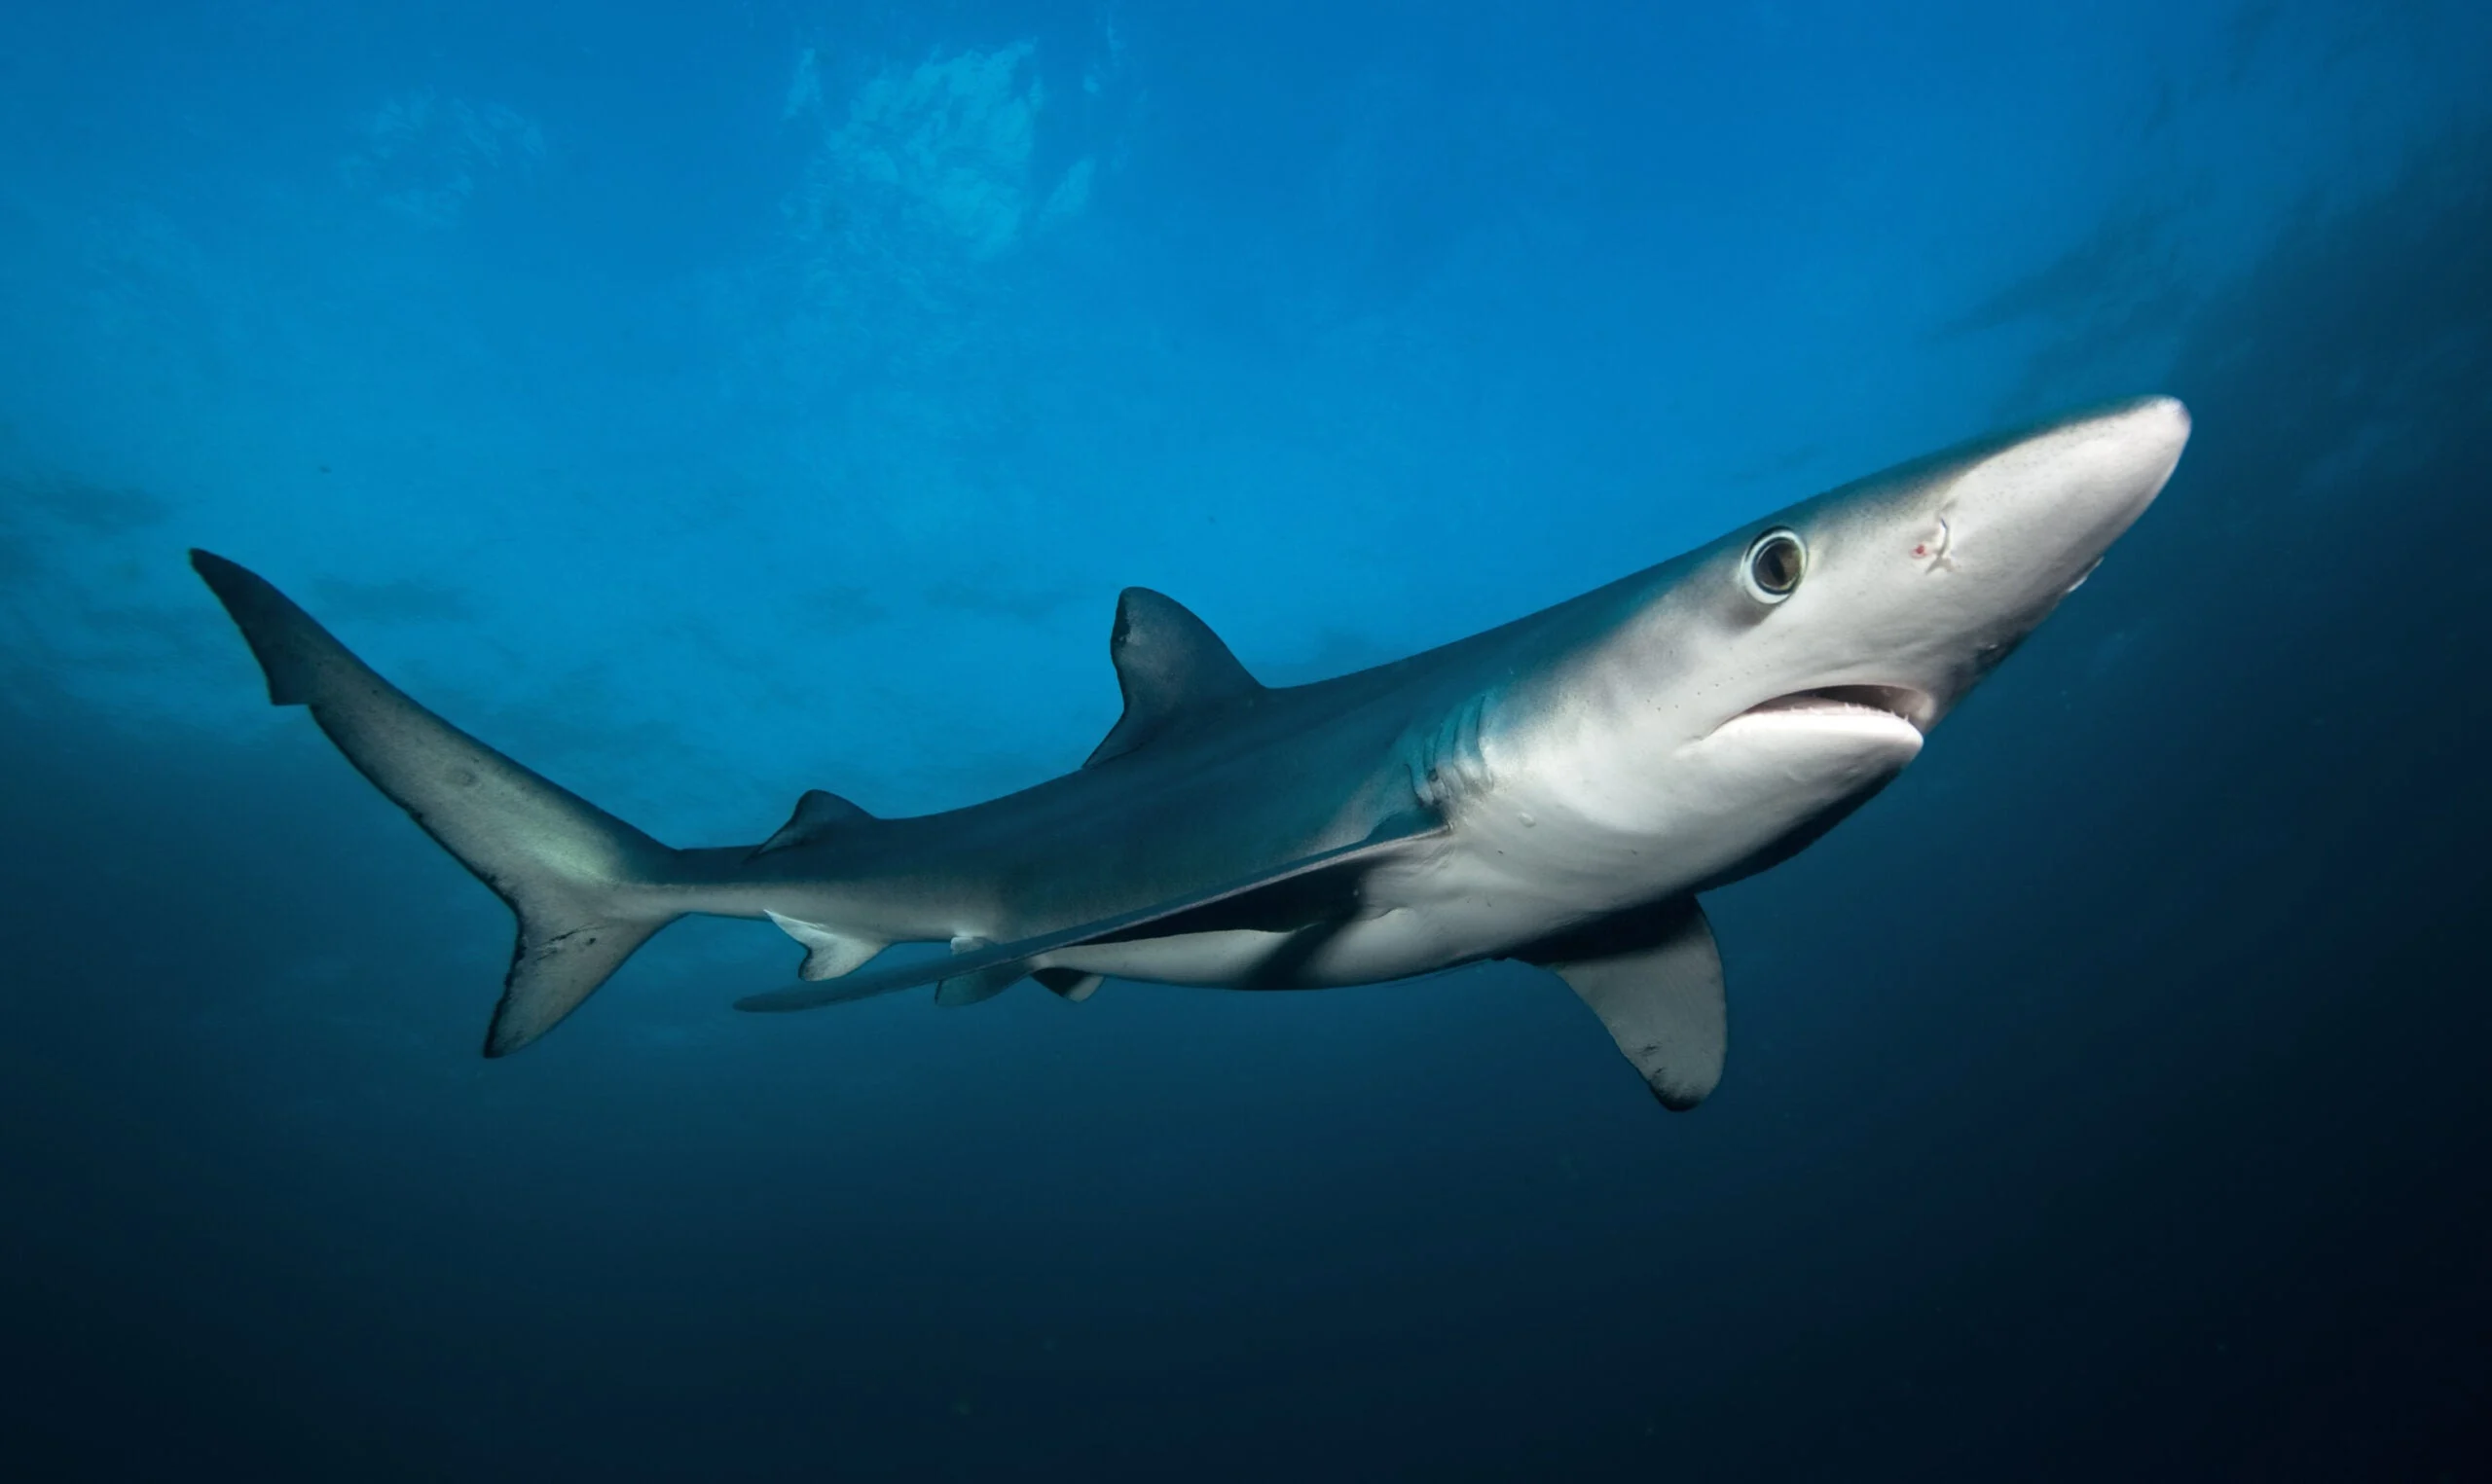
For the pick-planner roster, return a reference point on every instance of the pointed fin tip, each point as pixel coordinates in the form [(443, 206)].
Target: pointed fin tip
[(215, 569), (242, 592), (819, 814), (1654, 978), (289, 643), (828, 952), (1169, 664), (523, 836), (558, 962), (505, 1032)]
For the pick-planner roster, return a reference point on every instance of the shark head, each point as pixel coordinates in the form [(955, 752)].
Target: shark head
[(1742, 700), (1881, 603)]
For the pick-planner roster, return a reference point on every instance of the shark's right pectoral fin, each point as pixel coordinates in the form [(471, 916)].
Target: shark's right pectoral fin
[(1654, 979)]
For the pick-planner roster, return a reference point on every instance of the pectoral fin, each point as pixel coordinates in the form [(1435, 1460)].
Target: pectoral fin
[(1010, 960), (1654, 979)]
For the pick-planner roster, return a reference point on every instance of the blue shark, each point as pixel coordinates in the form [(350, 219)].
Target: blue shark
[(1561, 790)]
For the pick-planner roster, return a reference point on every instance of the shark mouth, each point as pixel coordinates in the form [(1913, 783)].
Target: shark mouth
[(1901, 702)]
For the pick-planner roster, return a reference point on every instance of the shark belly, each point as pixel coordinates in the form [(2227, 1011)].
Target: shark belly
[(1594, 822), (1561, 840)]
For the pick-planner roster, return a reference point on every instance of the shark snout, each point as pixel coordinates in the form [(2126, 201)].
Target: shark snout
[(2038, 514), (2144, 439)]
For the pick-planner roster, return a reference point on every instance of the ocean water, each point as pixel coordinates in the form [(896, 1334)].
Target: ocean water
[(704, 403)]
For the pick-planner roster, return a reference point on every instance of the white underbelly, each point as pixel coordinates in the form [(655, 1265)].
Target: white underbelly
[(1487, 891), (1554, 841)]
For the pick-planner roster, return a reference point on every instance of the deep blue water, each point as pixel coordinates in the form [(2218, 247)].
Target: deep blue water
[(708, 403)]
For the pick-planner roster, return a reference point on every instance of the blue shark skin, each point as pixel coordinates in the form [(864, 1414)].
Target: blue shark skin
[(1557, 791)]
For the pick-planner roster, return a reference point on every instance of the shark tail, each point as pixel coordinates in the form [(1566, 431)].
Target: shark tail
[(587, 889)]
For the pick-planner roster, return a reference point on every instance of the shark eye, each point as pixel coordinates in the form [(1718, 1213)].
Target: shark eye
[(1774, 566)]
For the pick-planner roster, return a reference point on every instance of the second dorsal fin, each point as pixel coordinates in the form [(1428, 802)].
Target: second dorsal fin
[(818, 813), (1169, 664)]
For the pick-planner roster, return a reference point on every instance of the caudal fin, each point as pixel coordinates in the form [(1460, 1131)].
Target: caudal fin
[(587, 887)]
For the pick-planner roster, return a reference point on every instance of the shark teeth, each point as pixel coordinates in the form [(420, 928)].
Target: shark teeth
[(1901, 702)]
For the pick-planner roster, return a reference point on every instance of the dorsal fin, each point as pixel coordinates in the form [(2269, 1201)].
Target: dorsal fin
[(818, 813), (1168, 663)]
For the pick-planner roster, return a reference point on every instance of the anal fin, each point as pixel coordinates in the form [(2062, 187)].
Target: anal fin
[(1654, 979), (828, 952)]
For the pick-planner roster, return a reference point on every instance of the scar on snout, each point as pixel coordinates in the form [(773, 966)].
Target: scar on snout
[(1943, 557)]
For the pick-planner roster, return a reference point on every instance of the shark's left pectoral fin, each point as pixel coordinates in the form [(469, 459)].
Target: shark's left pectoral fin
[(983, 970), (1654, 979)]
